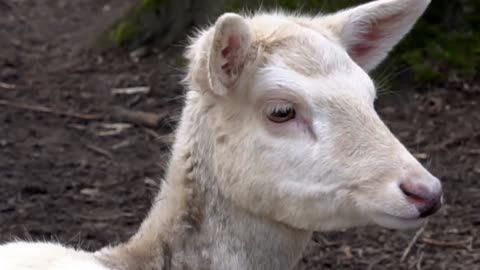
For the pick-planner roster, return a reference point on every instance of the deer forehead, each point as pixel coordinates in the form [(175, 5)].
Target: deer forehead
[(305, 62), (335, 89)]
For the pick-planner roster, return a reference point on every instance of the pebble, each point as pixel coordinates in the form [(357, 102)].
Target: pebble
[(138, 54), (8, 74)]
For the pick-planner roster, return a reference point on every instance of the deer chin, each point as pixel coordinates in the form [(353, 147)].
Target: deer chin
[(397, 222)]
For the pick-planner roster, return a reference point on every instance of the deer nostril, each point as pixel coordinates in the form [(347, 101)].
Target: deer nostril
[(427, 202), (431, 207), (413, 193)]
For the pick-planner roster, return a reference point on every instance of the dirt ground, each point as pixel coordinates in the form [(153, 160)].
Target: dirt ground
[(67, 175)]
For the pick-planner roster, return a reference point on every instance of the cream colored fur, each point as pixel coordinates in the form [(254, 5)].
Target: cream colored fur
[(242, 192)]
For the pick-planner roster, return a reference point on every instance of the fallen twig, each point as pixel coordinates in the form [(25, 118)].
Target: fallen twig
[(131, 90), (166, 139), (43, 109), (138, 117), (413, 241), (419, 261), (378, 261), (121, 114), (434, 242), (7, 86), (99, 150), (454, 139), (112, 129), (473, 151), (122, 144), (105, 217)]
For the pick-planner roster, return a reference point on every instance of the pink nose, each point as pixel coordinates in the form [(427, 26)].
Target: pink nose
[(427, 202)]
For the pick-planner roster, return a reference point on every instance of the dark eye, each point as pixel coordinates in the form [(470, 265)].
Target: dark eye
[(281, 114)]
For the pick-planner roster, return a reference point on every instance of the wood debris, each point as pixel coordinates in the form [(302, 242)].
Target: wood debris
[(131, 90), (120, 114), (7, 86)]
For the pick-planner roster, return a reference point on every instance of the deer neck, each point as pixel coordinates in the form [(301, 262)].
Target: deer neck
[(192, 226)]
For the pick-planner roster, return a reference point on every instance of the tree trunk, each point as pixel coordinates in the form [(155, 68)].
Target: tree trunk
[(167, 21), (160, 21)]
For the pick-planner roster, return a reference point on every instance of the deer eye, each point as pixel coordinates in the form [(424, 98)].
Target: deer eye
[(281, 113)]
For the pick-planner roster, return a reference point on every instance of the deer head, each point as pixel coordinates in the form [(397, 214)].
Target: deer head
[(292, 126)]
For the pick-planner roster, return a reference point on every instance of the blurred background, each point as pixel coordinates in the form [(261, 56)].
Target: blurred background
[(90, 95)]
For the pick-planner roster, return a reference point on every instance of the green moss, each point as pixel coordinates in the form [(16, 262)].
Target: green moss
[(132, 26), (446, 38), (430, 49), (123, 32), (423, 70), (149, 5), (234, 5)]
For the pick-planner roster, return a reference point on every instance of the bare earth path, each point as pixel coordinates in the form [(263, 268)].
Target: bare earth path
[(69, 176)]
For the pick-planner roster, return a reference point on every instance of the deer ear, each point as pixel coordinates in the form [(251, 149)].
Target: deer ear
[(231, 43), (370, 31)]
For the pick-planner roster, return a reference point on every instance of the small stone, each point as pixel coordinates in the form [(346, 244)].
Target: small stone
[(92, 192), (388, 110), (8, 74), (138, 54), (421, 156), (149, 181), (435, 105)]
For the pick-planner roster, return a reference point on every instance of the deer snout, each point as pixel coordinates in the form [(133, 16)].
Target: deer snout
[(426, 199)]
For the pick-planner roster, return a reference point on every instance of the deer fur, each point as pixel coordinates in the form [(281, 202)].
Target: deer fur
[(243, 192)]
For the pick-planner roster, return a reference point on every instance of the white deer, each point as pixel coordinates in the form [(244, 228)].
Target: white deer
[(278, 138)]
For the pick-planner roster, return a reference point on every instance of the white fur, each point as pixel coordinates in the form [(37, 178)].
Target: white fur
[(45, 256), (393, 19), (245, 192)]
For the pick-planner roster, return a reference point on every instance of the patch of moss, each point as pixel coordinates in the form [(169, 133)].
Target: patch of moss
[(423, 70), (432, 47), (447, 37), (132, 26), (123, 32), (234, 5), (149, 5)]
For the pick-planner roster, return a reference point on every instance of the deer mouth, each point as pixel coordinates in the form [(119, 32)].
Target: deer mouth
[(397, 222)]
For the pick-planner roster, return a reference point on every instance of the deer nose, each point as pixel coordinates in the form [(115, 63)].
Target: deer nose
[(427, 201)]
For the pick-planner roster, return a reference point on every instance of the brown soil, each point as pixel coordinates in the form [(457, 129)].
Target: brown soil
[(64, 177)]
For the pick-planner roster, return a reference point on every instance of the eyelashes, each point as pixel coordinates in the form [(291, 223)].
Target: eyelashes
[(280, 113)]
